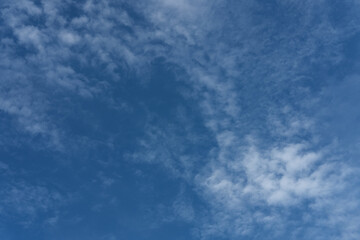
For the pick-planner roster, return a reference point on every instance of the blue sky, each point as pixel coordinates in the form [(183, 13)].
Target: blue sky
[(179, 119)]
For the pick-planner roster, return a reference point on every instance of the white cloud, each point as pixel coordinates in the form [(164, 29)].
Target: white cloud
[(30, 35), (279, 179), (29, 7), (69, 37)]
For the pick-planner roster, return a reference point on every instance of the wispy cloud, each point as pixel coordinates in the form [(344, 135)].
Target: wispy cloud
[(26, 202), (259, 161), (249, 84)]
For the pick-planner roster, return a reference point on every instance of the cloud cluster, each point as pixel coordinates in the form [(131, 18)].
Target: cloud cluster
[(49, 54)]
